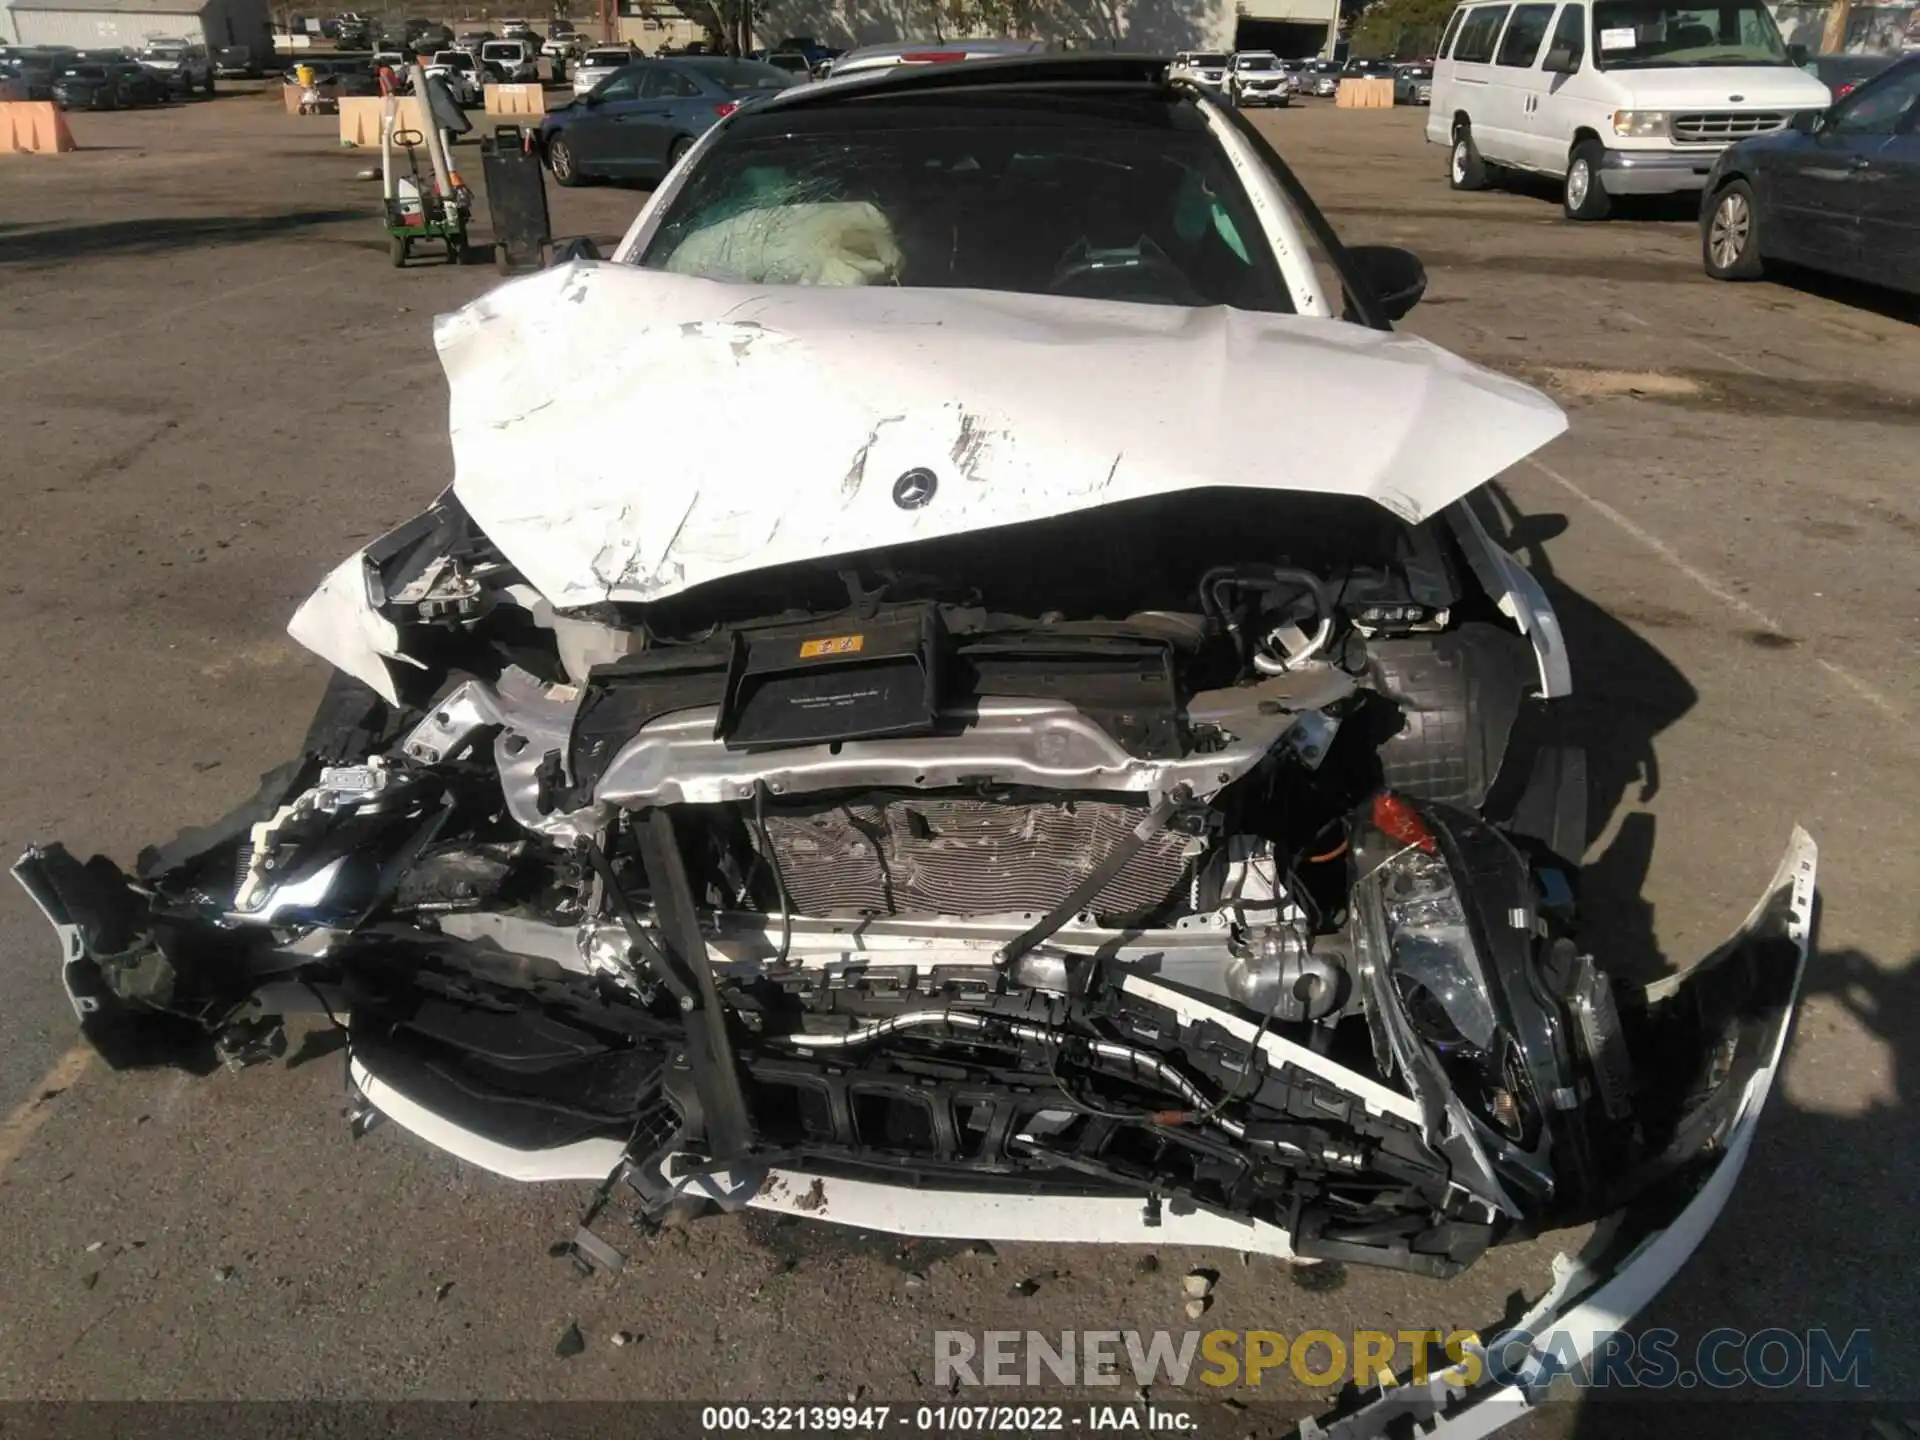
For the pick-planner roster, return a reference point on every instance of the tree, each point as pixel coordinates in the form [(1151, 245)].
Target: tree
[(1400, 27), (728, 23)]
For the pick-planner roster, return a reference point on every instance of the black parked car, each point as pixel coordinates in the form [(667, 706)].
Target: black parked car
[(34, 75), (141, 85), (138, 84), (1837, 190), (90, 87)]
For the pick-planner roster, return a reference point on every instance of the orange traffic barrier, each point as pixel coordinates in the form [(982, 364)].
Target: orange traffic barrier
[(1365, 94), (360, 118), (33, 125), (515, 100), (290, 97)]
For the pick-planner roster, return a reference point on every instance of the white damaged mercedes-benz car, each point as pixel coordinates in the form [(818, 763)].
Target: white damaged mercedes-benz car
[(952, 772)]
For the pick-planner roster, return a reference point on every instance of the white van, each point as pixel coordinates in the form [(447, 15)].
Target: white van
[(1619, 97)]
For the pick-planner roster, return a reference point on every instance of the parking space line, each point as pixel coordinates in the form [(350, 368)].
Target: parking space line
[(1714, 588), (1701, 345), (1728, 359), (30, 1114)]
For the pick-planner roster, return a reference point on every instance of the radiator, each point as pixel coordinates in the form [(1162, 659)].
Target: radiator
[(920, 854)]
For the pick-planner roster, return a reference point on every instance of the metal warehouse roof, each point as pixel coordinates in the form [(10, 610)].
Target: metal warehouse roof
[(114, 7)]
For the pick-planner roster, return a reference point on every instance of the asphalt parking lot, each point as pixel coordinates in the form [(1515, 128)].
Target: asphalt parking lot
[(213, 386)]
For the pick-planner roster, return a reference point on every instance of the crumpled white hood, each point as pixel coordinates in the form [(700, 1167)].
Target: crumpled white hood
[(623, 434)]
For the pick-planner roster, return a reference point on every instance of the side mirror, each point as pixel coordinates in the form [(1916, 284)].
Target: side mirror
[(1807, 122), (1797, 53), (1562, 60), (1396, 276)]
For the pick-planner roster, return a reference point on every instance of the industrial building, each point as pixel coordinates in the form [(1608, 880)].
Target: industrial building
[(108, 24), (1296, 29), (654, 25)]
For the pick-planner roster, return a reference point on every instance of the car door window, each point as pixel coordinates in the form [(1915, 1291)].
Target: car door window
[(1478, 34), (675, 86), (623, 86), (1570, 34), (1521, 45), (1878, 109), (1446, 39)]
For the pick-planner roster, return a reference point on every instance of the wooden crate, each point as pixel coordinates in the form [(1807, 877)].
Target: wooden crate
[(1365, 93)]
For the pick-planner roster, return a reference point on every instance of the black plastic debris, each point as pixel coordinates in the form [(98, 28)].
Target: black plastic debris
[(516, 199), (1319, 1279)]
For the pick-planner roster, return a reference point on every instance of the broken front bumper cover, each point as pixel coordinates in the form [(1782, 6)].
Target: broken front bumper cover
[(1744, 994), (1635, 1251)]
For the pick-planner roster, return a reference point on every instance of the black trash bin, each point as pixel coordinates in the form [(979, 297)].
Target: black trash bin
[(516, 199)]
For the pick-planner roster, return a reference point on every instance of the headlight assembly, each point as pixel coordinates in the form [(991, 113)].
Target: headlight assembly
[(1432, 959), (1643, 124)]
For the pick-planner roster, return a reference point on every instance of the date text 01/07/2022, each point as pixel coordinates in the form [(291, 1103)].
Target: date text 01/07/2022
[(969, 1419)]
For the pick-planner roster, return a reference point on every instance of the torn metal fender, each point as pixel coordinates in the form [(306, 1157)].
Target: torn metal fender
[(1637, 1250), (339, 624)]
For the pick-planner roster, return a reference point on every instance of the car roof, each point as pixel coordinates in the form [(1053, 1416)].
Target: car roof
[(1032, 72)]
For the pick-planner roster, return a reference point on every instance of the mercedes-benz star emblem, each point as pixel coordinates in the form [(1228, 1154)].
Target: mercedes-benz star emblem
[(915, 488)]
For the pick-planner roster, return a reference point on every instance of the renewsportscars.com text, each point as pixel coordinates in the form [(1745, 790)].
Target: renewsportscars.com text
[(1654, 1359)]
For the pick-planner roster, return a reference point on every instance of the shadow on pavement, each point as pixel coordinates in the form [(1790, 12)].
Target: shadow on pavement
[(1817, 1235), (1856, 294), (1625, 694), (1670, 209), (150, 237)]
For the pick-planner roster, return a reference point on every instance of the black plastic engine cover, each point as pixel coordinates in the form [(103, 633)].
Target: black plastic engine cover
[(827, 681)]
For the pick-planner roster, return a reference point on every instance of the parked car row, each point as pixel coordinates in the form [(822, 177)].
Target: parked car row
[(417, 36), (108, 79), (1261, 77), (107, 85)]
